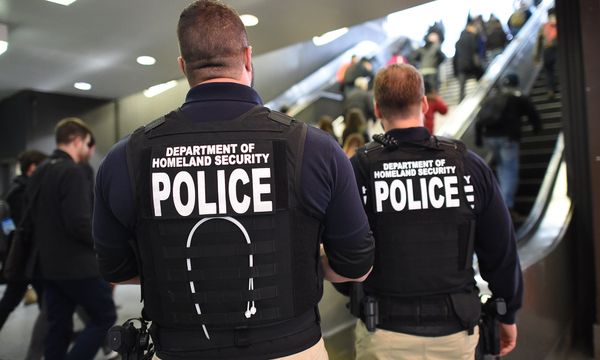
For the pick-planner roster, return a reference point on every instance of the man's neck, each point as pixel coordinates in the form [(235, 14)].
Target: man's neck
[(222, 80), (400, 123), (70, 151)]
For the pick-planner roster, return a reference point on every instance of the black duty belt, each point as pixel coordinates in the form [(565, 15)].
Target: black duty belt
[(423, 316), (168, 339)]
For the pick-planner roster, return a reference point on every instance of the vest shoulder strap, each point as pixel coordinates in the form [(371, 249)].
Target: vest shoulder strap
[(444, 143), (280, 117), (154, 124), (363, 159)]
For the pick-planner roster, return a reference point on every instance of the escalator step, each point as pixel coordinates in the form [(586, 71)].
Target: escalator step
[(538, 139)]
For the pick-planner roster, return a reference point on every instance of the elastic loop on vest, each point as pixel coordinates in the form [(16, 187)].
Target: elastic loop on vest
[(222, 274), (225, 318), (224, 296), (264, 247)]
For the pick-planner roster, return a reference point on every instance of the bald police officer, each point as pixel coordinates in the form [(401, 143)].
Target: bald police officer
[(431, 203), (218, 209)]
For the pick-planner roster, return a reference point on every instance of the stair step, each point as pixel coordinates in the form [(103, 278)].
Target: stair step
[(537, 139), (548, 106)]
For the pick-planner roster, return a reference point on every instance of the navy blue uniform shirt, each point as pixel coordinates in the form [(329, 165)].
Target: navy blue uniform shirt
[(495, 242), (328, 186)]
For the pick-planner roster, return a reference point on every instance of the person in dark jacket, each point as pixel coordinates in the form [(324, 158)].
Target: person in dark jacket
[(28, 161), (502, 137), (360, 97), (467, 62), (429, 58), (239, 279), (63, 240), (496, 38), (431, 204), (363, 68)]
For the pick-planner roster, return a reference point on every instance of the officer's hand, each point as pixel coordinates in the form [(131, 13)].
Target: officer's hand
[(508, 338)]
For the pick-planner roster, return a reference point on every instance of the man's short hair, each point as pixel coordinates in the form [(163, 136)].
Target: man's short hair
[(69, 129), (30, 157), (398, 89), (212, 38)]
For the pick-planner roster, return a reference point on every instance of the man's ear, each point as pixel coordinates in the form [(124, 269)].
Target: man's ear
[(248, 59), (181, 63), (424, 105), (376, 110)]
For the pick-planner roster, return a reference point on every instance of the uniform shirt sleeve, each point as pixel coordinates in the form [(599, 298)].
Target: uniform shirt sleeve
[(495, 242), (114, 217), (329, 191)]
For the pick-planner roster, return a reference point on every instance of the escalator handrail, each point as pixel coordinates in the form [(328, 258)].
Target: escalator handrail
[(542, 199)]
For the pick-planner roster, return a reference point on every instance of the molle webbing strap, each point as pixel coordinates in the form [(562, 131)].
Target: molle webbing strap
[(223, 274), (269, 292), (264, 247), (416, 309), (226, 318)]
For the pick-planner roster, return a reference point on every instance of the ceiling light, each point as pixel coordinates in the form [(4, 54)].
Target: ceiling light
[(160, 88), (329, 36), (146, 60), (249, 20), (62, 2), (3, 38), (83, 86)]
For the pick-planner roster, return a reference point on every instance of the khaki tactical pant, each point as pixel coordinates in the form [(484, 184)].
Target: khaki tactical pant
[(389, 345)]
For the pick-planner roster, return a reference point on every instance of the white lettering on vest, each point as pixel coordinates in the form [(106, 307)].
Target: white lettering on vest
[(402, 194), (180, 179), (258, 189), (161, 189), (228, 192), (239, 207)]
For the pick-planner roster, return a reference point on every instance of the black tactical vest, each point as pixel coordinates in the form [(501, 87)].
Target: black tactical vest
[(419, 204), (223, 239)]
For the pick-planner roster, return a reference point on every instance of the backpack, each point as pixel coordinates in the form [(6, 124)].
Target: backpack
[(492, 110), (517, 19)]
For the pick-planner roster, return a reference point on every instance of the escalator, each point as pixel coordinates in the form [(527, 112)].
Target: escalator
[(537, 149)]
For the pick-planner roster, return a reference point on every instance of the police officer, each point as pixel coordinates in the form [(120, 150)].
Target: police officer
[(218, 209), (431, 203)]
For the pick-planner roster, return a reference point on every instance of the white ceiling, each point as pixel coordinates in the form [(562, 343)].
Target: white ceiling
[(97, 41)]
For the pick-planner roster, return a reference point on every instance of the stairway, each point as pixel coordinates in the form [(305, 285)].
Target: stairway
[(537, 149)]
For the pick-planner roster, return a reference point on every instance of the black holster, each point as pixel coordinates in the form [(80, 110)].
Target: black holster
[(489, 327), (364, 307)]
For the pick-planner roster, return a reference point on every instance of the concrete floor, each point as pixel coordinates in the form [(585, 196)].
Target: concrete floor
[(16, 333)]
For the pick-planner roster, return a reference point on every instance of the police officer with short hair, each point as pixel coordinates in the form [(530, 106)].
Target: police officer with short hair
[(431, 204), (219, 208)]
